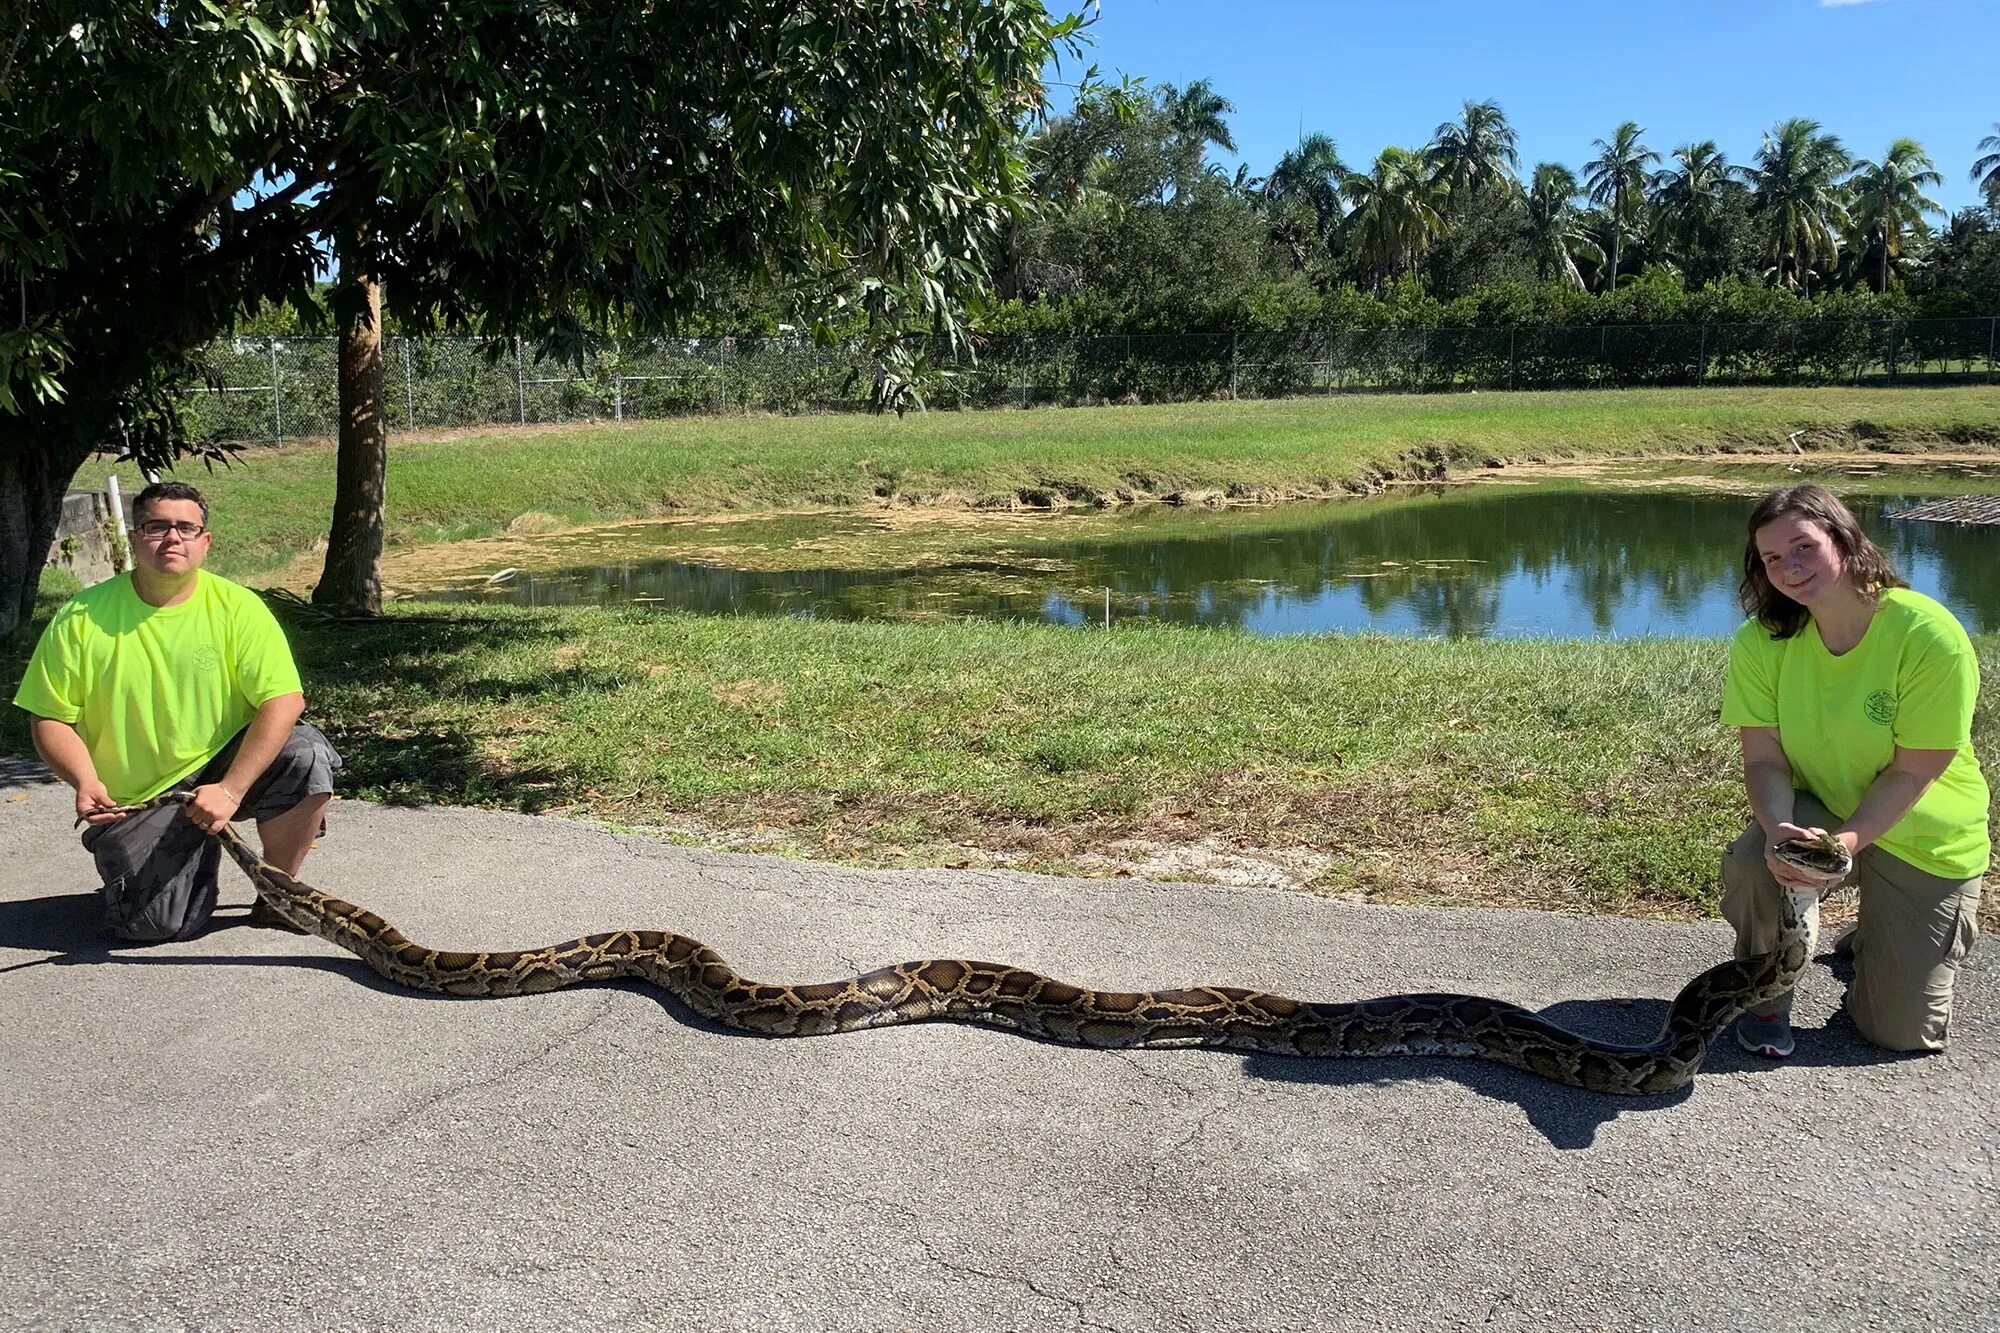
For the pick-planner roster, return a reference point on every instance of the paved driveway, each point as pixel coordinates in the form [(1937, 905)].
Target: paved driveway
[(250, 1130)]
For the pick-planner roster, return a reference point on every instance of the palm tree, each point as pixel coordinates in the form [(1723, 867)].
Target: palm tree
[(1395, 211), (1555, 228), (1475, 152), (1799, 201), (1243, 185), (1986, 171), (1310, 173), (1194, 114), (1616, 178), (1889, 201), (1687, 205)]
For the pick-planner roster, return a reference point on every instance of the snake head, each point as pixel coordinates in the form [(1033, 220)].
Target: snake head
[(1825, 856)]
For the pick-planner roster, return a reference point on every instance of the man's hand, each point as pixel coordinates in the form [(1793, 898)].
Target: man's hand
[(94, 804), (211, 806)]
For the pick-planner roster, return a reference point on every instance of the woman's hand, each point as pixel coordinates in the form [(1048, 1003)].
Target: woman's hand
[(1797, 877)]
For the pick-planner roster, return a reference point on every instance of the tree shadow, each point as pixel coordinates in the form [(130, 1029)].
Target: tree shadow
[(395, 762), (23, 770)]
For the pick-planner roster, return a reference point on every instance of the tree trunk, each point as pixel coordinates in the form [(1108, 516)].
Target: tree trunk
[(33, 478), (1617, 234), (352, 579)]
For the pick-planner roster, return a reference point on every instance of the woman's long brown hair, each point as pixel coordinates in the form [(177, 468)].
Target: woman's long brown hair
[(1867, 568)]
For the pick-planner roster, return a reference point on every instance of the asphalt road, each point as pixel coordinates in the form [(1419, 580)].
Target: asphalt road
[(250, 1130)]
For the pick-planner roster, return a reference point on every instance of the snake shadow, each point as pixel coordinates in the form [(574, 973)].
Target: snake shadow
[(1567, 1117), (66, 930), (1570, 1117)]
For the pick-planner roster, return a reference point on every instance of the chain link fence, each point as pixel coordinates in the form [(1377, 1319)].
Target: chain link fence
[(276, 389)]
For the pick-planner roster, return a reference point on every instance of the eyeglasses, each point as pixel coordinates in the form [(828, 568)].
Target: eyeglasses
[(156, 530)]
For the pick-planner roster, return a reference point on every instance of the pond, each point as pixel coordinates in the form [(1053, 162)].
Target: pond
[(1620, 555)]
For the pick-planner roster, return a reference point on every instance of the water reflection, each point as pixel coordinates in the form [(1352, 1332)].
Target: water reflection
[(1472, 561)]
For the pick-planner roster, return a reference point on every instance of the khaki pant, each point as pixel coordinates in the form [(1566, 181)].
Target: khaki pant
[(1913, 932)]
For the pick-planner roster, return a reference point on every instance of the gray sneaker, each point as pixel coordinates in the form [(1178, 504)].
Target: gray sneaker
[(1767, 1031)]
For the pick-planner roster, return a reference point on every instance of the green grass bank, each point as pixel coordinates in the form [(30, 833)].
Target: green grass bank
[(274, 504)]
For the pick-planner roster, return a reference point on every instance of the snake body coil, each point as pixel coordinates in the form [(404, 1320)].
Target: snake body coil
[(1026, 1002)]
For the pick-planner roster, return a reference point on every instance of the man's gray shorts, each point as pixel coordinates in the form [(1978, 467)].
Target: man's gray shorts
[(159, 870)]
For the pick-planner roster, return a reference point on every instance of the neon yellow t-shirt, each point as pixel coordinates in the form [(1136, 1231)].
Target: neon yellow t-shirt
[(1911, 681), (157, 691)]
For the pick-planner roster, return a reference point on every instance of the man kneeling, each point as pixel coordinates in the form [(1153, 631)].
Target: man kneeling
[(169, 678)]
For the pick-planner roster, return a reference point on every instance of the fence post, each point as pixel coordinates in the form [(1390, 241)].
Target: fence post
[(521, 387), (1701, 357), (277, 398), (1892, 351), (1992, 327), (121, 544), (1024, 379), (1232, 374), (409, 386), (1511, 332)]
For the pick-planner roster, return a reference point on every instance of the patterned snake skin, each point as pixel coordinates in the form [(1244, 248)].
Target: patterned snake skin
[(1014, 998)]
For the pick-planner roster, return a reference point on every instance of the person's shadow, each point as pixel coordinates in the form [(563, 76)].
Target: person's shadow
[(67, 930)]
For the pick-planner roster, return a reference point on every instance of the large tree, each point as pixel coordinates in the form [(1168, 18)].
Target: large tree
[(1555, 231), (1616, 180), (1985, 171), (1195, 114), (1799, 204), (1689, 202), (1394, 212), (520, 166), (1477, 152), (1304, 188), (1889, 202)]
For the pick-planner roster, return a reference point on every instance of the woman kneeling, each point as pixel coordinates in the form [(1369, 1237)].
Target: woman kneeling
[(1854, 696)]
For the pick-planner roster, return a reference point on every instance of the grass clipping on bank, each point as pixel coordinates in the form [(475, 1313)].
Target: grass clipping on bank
[(1593, 776)]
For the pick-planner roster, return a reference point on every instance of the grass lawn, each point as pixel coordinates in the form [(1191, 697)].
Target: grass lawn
[(1587, 775)]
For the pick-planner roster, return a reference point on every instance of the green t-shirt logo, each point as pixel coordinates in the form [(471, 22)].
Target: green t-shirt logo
[(1881, 707), (207, 659)]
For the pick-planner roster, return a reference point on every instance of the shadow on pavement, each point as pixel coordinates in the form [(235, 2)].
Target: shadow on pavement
[(23, 771), (1570, 1117), (65, 928)]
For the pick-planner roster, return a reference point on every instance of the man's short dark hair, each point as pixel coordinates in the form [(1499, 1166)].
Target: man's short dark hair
[(167, 490)]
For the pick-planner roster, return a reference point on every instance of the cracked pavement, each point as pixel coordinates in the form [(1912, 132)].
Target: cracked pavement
[(252, 1130)]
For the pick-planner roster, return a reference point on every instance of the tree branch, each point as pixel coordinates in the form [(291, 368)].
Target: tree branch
[(14, 49)]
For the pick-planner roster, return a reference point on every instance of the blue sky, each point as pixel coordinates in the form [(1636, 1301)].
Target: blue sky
[(1375, 72)]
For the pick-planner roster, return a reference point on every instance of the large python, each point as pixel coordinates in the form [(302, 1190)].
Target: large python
[(1016, 999)]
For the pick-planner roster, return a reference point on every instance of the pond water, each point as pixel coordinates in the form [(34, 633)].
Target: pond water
[(1561, 560)]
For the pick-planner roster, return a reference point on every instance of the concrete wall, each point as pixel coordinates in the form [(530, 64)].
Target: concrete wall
[(85, 543)]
